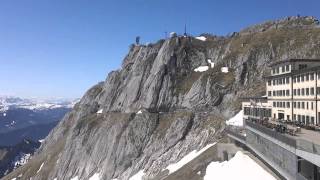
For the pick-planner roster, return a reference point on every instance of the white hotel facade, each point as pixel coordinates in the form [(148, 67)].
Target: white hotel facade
[(292, 93)]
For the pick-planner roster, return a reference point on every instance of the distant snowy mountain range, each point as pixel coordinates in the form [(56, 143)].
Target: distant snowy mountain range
[(21, 117), (23, 124), (11, 102)]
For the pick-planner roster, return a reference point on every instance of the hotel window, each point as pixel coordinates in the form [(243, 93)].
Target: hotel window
[(269, 93), (298, 105), (298, 78), (273, 70), (303, 118), (278, 104), (299, 117), (274, 104), (311, 76), (302, 105), (312, 120), (311, 91), (274, 82), (311, 105), (284, 104), (287, 68), (294, 104), (307, 77), (294, 92), (295, 79), (277, 70), (280, 81), (287, 80), (269, 83), (294, 117), (307, 91), (287, 92), (307, 119), (318, 90), (298, 92), (307, 103), (288, 104), (283, 92), (274, 93), (302, 66), (302, 91), (282, 69), (302, 77)]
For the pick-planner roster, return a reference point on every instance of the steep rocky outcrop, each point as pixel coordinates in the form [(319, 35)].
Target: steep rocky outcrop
[(179, 109), (12, 157)]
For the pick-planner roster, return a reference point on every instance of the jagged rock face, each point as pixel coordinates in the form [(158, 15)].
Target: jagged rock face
[(12, 157), (182, 110)]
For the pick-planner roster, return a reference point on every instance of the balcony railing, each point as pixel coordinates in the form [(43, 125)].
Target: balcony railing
[(293, 141), (270, 132)]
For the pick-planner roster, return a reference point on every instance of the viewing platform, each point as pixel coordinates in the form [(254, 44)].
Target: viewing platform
[(303, 139)]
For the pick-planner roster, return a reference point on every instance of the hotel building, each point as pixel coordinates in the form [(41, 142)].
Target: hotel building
[(282, 127), (292, 93)]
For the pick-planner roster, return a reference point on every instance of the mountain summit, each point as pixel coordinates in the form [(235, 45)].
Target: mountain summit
[(168, 99)]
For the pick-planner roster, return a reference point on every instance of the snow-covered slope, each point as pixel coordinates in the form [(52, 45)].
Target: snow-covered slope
[(236, 120), (186, 159), (239, 167)]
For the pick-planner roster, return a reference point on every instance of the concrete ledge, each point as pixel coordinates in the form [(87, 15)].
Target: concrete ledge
[(279, 143), (313, 158), (237, 139), (273, 165)]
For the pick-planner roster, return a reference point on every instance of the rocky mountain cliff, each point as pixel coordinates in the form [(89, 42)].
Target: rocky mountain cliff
[(12, 157), (156, 108)]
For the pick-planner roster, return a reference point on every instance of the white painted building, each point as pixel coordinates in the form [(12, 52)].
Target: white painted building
[(292, 93)]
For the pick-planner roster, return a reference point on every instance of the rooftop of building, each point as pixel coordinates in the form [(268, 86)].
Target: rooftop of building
[(295, 72), (292, 60), (254, 98)]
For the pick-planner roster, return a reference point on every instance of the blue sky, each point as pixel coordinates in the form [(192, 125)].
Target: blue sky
[(60, 48)]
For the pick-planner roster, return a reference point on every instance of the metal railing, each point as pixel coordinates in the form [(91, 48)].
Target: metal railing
[(308, 146), (272, 133)]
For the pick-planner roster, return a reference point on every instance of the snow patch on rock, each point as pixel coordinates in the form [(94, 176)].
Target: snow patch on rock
[(96, 176), (186, 159), (137, 176), (211, 63), (100, 111), (21, 159), (75, 178), (225, 69), (201, 38), (240, 166), (201, 69), (40, 168), (139, 112), (236, 120)]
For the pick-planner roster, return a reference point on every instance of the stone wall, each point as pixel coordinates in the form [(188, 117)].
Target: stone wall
[(282, 160)]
